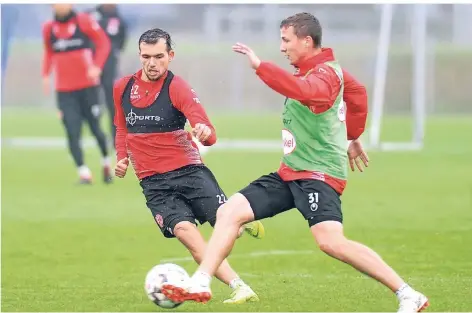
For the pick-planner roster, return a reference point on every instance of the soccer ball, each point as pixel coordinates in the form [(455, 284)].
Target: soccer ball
[(159, 275)]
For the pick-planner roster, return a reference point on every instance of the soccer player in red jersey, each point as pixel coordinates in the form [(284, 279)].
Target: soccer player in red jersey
[(68, 39), (313, 172), (151, 110)]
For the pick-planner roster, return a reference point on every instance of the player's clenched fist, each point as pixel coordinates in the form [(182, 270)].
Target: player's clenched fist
[(121, 167), (201, 132)]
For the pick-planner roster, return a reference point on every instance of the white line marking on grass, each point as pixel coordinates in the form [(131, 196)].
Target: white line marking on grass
[(247, 255)]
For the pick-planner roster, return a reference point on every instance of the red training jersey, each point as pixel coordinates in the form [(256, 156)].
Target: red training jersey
[(153, 153), (318, 92), (67, 50)]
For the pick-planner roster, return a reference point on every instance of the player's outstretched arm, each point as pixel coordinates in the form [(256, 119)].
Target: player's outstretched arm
[(186, 101), (316, 86)]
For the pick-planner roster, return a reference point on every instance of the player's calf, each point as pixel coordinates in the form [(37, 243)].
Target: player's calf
[(331, 240)]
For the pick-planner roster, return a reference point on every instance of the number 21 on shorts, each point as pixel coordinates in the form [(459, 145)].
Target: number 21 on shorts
[(313, 198)]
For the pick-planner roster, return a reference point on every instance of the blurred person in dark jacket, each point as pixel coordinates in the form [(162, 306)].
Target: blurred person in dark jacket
[(68, 39), (107, 15)]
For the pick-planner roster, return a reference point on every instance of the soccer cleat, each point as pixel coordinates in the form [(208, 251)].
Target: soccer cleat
[(242, 294), (85, 181), (414, 302), (85, 175), (255, 229), (180, 293), (107, 176)]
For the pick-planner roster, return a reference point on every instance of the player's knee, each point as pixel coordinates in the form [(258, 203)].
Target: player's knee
[(223, 215), (228, 216), (236, 211), (184, 230), (330, 238)]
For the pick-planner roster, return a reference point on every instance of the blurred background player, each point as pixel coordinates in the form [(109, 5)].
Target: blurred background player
[(68, 39), (109, 18), (151, 110), (313, 172)]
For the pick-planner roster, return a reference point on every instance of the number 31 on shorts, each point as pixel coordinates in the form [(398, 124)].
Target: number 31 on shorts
[(313, 198)]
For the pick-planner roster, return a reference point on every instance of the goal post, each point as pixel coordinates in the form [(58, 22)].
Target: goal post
[(418, 100)]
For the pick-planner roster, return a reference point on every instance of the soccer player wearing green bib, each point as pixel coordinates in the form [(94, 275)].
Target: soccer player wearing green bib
[(313, 172)]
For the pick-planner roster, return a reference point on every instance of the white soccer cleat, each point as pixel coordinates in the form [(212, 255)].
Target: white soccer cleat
[(188, 291), (412, 303)]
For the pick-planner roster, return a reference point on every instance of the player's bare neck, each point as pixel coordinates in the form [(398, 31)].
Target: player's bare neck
[(144, 78), (308, 56)]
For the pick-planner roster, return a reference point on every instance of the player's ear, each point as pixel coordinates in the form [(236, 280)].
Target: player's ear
[(171, 55)]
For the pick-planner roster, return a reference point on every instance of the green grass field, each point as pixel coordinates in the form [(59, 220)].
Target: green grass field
[(88, 248)]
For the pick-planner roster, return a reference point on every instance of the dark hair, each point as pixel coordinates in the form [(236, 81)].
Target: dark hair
[(304, 24), (152, 36)]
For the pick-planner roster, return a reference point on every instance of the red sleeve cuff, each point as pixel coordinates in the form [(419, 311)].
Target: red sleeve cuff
[(121, 157), (211, 140)]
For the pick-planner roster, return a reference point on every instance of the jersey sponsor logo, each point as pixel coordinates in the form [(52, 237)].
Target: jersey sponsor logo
[(63, 44), (132, 118), (342, 111), (289, 141)]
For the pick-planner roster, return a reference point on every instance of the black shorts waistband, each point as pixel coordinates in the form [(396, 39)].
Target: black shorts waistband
[(180, 170)]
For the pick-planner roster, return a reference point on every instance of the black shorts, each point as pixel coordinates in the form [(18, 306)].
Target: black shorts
[(269, 195), (79, 105), (186, 194)]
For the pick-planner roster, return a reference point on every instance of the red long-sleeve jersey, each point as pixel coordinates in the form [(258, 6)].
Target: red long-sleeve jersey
[(153, 153), (318, 91), (67, 50)]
